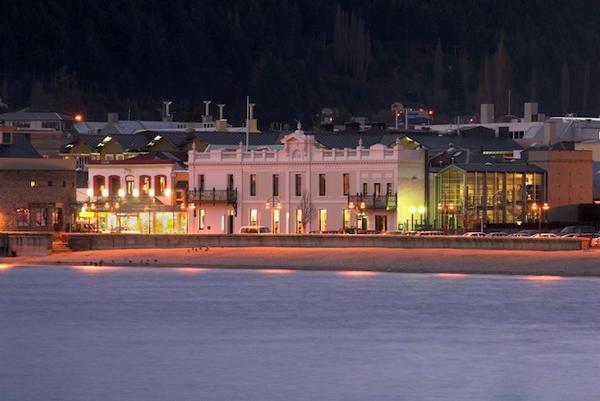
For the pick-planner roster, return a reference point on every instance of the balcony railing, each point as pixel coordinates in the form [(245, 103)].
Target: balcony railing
[(228, 196), (386, 202)]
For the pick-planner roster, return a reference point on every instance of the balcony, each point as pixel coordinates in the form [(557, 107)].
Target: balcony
[(374, 202), (214, 196)]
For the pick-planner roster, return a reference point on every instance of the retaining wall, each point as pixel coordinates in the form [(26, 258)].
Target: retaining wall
[(25, 244), (79, 242)]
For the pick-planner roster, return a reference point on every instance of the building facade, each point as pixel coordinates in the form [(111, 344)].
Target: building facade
[(302, 187), (465, 196), (144, 194), (37, 194)]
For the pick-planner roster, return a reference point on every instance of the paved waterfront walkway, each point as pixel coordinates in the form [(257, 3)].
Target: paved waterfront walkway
[(564, 263)]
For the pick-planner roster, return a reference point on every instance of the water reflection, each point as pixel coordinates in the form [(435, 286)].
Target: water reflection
[(356, 274), (276, 271)]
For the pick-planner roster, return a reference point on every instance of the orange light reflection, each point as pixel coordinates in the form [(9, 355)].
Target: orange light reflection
[(96, 269), (189, 270), (542, 278), (275, 271), (6, 266), (356, 273), (451, 275)]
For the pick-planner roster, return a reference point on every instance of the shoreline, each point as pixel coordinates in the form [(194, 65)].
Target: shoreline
[(585, 263)]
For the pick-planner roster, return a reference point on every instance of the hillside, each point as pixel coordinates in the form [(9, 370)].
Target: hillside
[(295, 57)]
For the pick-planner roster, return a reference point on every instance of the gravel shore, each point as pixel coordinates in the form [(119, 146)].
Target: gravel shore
[(558, 263)]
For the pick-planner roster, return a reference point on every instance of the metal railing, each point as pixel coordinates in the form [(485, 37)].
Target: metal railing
[(228, 196), (387, 202)]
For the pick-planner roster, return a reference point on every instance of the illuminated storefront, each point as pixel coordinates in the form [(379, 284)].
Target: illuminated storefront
[(465, 195)]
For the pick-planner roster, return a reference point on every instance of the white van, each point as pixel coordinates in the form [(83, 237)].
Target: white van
[(254, 230)]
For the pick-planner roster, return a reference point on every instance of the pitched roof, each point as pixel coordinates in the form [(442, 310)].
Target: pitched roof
[(20, 148), (34, 116)]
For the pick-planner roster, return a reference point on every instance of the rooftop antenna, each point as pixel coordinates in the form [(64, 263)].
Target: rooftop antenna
[(166, 110), (247, 122), (206, 107), (221, 106)]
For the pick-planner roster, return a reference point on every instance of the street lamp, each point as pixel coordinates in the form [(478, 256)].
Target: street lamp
[(541, 210), (421, 214), (151, 194), (412, 211)]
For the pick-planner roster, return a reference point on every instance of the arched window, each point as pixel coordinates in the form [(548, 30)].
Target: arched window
[(160, 184), (145, 184), (99, 184), (114, 184), (129, 185)]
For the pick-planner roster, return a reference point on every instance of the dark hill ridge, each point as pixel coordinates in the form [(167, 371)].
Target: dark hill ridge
[(294, 57)]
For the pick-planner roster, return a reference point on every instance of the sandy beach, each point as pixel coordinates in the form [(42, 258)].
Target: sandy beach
[(560, 263)]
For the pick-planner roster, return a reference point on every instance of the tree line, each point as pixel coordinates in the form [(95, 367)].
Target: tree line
[(295, 57)]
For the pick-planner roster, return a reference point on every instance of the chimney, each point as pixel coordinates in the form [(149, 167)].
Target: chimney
[(251, 122), (487, 113), (550, 132), (530, 112), (166, 115), (221, 124), (112, 118), (207, 118)]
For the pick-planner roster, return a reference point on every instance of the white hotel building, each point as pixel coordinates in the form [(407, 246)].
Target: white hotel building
[(302, 187)]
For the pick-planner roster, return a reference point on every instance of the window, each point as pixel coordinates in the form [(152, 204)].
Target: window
[(298, 182), (114, 184), (6, 138), (252, 184), (23, 217), (299, 219), (201, 182), (275, 184), (230, 182), (160, 184), (365, 188), (129, 185), (50, 183), (144, 185), (322, 185), (377, 189), (40, 216), (64, 184), (201, 217), (346, 183), (99, 184), (33, 183), (109, 157), (388, 189), (276, 221), (346, 218), (253, 218), (323, 220), (120, 157)]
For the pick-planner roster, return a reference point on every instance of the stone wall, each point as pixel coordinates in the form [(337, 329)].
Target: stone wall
[(79, 242), (52, 188), (25, 244)]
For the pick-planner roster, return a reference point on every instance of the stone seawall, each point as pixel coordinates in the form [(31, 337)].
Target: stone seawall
[(25, 244), (81, 242)]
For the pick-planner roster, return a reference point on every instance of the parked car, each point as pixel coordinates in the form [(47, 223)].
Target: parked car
[(254, 230), (578, 230), (429, 233), (545, 235), (523, 233), (596, 240), (474, 234), (497, 234)]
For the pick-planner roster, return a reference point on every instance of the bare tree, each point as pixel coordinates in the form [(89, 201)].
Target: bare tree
[(308, 209)]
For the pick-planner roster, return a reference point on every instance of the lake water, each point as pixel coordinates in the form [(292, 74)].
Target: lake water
[(99, 333)]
